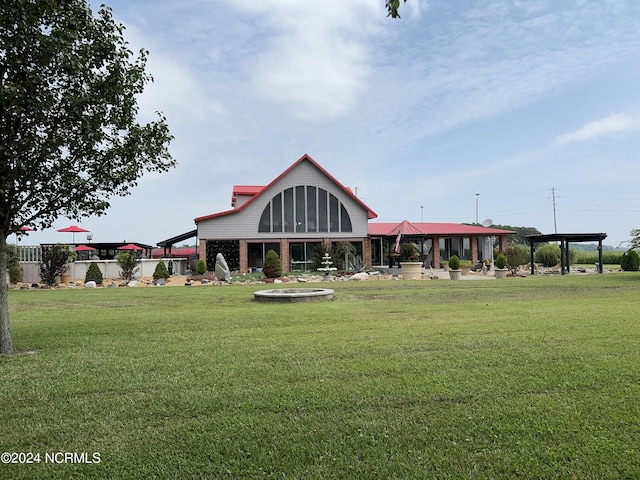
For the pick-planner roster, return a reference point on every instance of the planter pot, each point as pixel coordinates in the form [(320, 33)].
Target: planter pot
[(466, 270), (501, 272), (445, 265), (411, 270), (65, 278), (455, 274)]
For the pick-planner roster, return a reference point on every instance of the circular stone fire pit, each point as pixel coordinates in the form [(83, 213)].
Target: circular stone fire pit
[(290, 295)]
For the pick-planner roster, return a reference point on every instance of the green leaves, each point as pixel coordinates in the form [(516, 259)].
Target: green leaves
[(392, 8), (68, 113)]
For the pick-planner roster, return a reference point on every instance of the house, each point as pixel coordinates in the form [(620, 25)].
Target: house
[(293, 215), (305, 207)]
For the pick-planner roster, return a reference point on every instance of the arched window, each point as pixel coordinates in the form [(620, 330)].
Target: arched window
[(302, 209)]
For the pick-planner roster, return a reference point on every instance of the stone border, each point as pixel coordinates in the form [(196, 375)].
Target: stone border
[(292, 295)]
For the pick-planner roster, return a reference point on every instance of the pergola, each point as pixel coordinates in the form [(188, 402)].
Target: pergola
[(565, 239), (170, 242)]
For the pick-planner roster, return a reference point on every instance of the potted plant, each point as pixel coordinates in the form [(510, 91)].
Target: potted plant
[(465, 265), (454, 268), (411, 270), (501, 266)]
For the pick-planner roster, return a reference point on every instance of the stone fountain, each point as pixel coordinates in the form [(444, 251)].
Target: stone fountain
[(327, 268)]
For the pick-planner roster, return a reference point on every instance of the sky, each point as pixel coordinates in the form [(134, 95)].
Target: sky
[(523, 112)]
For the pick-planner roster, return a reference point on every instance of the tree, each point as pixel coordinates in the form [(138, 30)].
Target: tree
[(161, 271), (392, 8), (93, 274), (201, 267), (69, 137), (128, 263), (634, 243), (630, 261), (54, 263), (271, 267), (340, 254)]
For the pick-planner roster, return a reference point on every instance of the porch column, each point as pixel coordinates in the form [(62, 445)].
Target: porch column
[(202, 250), (366, 252), (436, 252), (503, 243), (244, 257), (474, 250), (284, 255)]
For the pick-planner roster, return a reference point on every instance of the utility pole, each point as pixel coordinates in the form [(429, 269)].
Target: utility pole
[(477, 196), (553, 194), (421, 211)]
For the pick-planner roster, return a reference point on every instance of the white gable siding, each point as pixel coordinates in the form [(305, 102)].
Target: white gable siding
[(242, 199), (244, 224)]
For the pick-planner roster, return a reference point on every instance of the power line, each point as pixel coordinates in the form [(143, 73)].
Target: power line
[(555, 224)]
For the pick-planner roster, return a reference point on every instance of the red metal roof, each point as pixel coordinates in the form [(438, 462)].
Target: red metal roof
[(244, 190), (247, 189), (305, 157), (423, 228)]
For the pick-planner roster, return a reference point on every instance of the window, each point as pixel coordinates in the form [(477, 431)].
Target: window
[(323, 219), (277, 213), (303, 209), (288, 210), (300, 210), (334, 216), (312, 225)]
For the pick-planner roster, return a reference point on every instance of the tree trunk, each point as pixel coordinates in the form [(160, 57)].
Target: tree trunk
[(6, 344)]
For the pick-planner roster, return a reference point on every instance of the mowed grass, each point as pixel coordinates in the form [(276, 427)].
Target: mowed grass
[(521, 378)]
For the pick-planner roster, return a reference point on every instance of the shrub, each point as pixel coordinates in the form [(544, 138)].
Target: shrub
[(548, 254), (161, 271), (518, 255), (408, 249), (93, 274), (13, 265), (318, 256), (611, 257), (501, 261), (340, 252), (15, 273), (201, 267), (128, 262), (271, 267), (54, 263), (630, 261), (466, 264), (454, 263)]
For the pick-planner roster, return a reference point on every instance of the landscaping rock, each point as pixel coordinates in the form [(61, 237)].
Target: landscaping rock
[(90, 284), (359, 276), (222, 269)]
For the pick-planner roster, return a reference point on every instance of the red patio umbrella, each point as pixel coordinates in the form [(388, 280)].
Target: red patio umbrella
[(84, 248), (22, 229), (73, 229), (130, 246)]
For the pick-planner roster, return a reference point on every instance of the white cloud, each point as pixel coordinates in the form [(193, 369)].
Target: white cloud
[(616, 123)]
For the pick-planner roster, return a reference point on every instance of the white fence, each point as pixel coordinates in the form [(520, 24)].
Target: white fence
[(108, 268)]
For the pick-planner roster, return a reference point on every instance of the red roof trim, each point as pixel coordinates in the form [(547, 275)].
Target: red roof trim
[(305, 157)]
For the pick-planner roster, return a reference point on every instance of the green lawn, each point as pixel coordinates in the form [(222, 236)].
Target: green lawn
[(520, 378)]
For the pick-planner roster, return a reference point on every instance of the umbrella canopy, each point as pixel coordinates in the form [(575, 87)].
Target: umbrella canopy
[(84, 248), (130, 246), (23, 229), (73, 229)]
